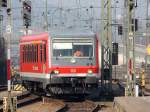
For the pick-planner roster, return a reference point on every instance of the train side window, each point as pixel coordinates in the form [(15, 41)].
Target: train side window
[(23, 54), (29, 57), (34, 49), (41, 54), (44, 52), (32, 53), (28, 53), (37, 53), (29, 50)]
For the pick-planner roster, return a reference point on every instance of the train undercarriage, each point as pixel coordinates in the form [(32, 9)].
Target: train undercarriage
[(63, 86)]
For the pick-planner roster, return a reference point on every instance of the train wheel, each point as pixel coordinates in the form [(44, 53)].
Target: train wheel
[(30, 89), (54, 90)]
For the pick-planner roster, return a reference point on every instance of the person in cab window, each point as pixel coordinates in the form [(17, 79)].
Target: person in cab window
[(78, 53)]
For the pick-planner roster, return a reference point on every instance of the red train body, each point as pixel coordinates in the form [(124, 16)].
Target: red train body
[(48, 62)]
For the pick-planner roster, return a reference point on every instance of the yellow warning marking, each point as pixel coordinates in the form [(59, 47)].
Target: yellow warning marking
[(18, 87), (148, 49)]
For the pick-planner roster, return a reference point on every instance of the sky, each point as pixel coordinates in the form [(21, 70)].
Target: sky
[(74, 14)]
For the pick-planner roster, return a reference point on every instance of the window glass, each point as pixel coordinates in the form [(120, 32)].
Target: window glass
[(44, 52), (73, 49), (41, 53), (83, 50), (26, 53), (37, 53), (30, 51), (32, 54), (23, 54)]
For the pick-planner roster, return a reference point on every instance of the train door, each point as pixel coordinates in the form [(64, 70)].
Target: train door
[(42, 56)]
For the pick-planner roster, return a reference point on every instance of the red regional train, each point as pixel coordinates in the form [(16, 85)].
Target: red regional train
[(60, 63)]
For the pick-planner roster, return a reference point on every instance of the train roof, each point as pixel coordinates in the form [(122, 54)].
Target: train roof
[(57, 34), (68, 34), (31, 37)]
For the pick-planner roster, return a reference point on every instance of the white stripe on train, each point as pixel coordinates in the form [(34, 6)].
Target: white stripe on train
[(47, 76)]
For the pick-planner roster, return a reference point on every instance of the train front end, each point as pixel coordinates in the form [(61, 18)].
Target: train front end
[(74, 63)]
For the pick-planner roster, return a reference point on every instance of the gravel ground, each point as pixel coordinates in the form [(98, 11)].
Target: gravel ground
[(40, 107)]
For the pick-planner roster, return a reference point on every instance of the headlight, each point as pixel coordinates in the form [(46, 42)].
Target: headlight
[(90, 71), (56, 71), (73, 60)]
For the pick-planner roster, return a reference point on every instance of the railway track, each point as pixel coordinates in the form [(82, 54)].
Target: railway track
[(23, 99), (85, 106), (28, 102), (73, 105), (58, 105)]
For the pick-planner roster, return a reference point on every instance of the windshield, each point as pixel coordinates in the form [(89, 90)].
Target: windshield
[(73, 49)]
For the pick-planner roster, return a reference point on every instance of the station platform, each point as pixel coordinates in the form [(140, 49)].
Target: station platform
[(132, 104)]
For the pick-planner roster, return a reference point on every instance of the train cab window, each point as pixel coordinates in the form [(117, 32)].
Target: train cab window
[(73, 49), (86, 49), (62, 49)]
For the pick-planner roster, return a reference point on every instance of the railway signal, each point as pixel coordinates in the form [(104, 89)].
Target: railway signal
[(120, 30), (3, 3), (131, 5), (134, 24), (114, 53), (27, 13)]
